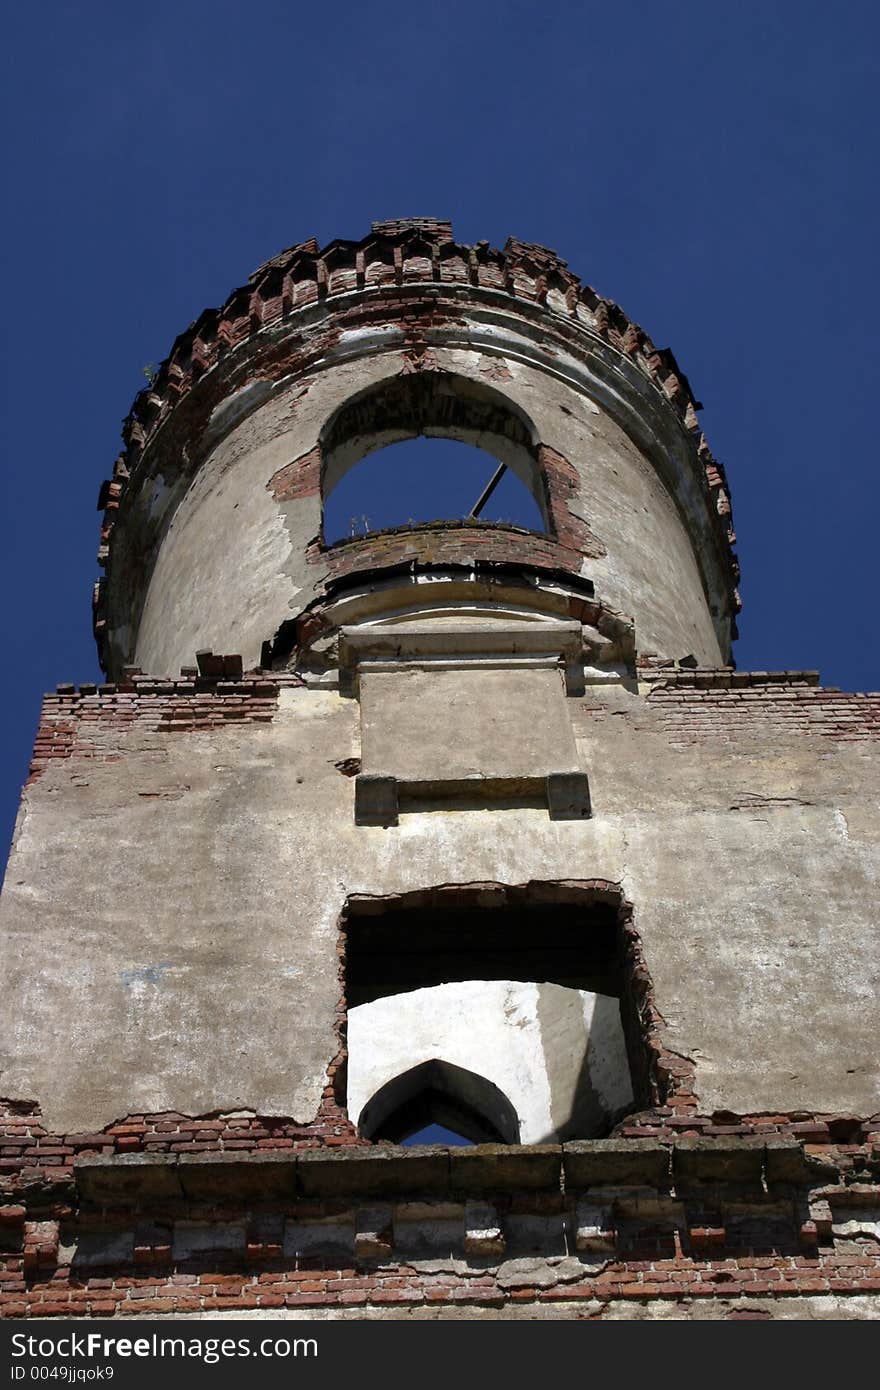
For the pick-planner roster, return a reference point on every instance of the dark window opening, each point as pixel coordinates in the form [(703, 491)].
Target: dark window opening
[(406, 948), (437, 1094), (569, 934)]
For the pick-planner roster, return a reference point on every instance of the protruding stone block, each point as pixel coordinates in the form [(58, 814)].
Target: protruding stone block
[(202, 1237), (568, 795), (616, 1163), (375, 800), (488, 1167), (373, 1233), (98, 1250), (106, 1180), (313, 1235), (786, 1162), (718, 1160), (212, 1177), (594, 1228), (373, 1172)]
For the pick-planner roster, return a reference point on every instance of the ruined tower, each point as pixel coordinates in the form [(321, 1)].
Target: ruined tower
[(456, 822)]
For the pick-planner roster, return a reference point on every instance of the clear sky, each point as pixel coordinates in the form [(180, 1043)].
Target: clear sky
[(713, 168)]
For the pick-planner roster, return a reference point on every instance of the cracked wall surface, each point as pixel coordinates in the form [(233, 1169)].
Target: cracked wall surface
[(173, 899)]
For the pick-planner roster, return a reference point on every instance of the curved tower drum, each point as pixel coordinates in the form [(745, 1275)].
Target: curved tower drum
[(459, 823)]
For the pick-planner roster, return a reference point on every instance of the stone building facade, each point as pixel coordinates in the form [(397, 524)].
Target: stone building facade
[(457, 821)]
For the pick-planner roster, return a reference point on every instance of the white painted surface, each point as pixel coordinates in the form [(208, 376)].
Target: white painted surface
[(493, 1028)]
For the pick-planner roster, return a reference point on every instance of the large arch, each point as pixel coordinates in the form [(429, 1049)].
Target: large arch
[(437, 405)]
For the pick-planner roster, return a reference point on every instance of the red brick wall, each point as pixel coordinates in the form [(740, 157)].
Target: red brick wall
[(724, 706), (71, 715), (650, 1275)]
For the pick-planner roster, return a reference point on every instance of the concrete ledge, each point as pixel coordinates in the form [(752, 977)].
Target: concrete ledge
[(718, 1160), (127, 1178), (437, 1172), (490, 1167), (208, 1177), (616, 1163), (407, 642), (372, 1172)]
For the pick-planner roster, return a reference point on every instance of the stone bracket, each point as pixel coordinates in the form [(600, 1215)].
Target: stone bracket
[(375, 799), (568, 796)]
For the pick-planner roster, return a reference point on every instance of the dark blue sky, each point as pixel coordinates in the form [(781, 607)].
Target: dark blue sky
[(711, 167)]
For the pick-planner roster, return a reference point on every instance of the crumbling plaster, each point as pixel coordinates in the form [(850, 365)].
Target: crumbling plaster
[(812, 1308), (233, 563), (171, 919)]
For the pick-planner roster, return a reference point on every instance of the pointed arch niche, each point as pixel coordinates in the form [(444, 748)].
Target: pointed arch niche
[(436, 1092)]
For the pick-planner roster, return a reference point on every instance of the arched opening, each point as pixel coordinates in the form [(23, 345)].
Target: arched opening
[(422, 479), (436, 1093), (425, 447)]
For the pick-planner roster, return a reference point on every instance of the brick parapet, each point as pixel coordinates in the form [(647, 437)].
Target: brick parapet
[(73, 716), (446, 543), (725, 705)]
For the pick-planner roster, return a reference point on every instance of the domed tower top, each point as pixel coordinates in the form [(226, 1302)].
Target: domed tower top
[(214, 533)]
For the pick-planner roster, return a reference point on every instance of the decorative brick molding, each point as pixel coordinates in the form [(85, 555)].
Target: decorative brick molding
[(485, 576), (412, 274)]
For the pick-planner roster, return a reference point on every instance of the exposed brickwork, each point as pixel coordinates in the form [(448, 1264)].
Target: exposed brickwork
[(29, 1154), (445, 542), (220, 1286), (301, 478), (728, 705), (562, 481), (415, 274), (72, 718), (724, 1219)]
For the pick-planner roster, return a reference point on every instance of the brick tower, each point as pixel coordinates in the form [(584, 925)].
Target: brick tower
[(454, 823)]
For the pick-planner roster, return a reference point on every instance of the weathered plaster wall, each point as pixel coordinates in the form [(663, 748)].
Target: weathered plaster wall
[(509, 723), (170, 910), (235, 562)]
